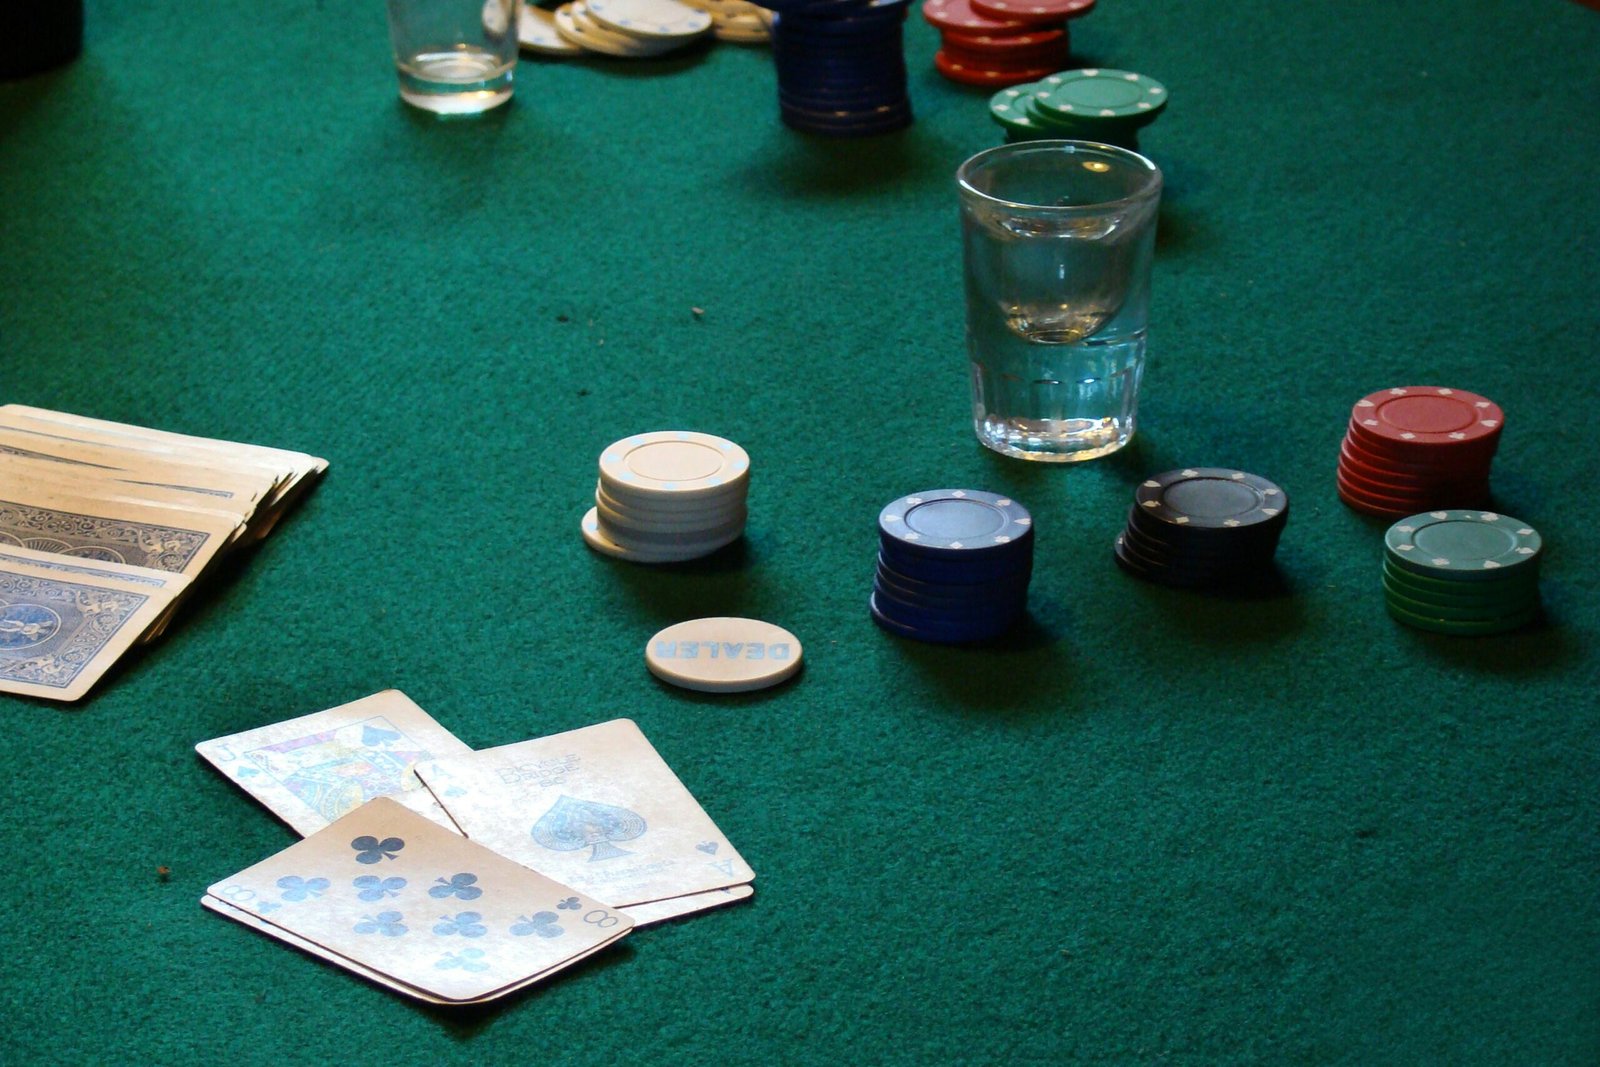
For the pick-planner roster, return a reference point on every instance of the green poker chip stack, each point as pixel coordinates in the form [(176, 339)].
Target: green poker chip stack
[(1462, 572), (1096, 104)]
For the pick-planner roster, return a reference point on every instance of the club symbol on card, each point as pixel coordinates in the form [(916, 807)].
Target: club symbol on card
[(387, 923), (459, 885), (468, 959), (370, 850), (543, 923), (296, 888), (248, 772), (571, 825), (708, 847), (374, 888), (570, 904), (268, 906), (466, 923)]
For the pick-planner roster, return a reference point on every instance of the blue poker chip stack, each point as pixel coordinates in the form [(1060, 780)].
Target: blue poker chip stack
[(841, 65), (953, 565)]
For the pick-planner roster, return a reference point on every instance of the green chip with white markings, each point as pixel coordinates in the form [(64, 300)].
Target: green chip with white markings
[(1009, 107), (1460, 628), (1463, 545), (1099, 95)]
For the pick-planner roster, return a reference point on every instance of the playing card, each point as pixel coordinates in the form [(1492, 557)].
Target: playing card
[(292, 473), (659, 911), (175, 584), (60, 632), (138, 468), (144, 536), (596, 808), (244, 918), (394, 893), (317, 768)]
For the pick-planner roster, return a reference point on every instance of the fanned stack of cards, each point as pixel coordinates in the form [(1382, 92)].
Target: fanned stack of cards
[(569, 842), (104, 527)]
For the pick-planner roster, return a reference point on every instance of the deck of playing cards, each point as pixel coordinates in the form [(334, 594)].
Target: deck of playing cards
[(104, 528), (570, 841)]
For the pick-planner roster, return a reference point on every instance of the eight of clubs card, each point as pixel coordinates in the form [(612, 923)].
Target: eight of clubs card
[(596, 808), (393, 893)]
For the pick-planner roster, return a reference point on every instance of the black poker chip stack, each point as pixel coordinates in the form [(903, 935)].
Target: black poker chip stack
[(1203, 527), (841, 65)]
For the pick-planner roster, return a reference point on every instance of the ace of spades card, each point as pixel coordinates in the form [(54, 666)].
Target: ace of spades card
[(390, 895), (597, 809)]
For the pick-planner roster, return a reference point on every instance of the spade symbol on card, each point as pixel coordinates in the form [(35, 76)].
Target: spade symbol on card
[(375, 736), (577, 824), (708, 847)]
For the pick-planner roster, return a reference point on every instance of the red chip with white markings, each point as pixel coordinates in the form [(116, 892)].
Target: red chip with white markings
[(1428, 415)]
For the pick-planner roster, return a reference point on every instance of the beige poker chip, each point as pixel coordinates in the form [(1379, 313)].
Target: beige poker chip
[(723, 655)]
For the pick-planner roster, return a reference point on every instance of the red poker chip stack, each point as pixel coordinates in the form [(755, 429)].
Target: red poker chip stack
[(998, 43), (1418, 448)]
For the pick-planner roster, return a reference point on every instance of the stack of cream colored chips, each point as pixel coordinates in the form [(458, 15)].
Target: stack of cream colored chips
[(635, 29), (667, 497)]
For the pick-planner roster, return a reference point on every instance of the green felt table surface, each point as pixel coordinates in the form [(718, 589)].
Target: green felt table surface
[(1151, 826)]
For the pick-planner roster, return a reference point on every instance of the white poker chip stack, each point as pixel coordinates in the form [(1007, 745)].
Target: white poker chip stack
[(668, 496)]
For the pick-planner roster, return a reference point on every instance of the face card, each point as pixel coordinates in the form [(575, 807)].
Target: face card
[(61, 631), (394, 893), (317, 768), (596, 808)]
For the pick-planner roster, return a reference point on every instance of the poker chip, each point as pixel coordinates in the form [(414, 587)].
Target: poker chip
[(1462, 572), (991, 52), (958, 16), (666, 20), (950, 523), (668, 496), (1465, 545), (536, 32), (1033, 11), (723, 655), (1008, 108), (676, 464), (1418, 448), (1203, 527), (953, 565), (841, 66)]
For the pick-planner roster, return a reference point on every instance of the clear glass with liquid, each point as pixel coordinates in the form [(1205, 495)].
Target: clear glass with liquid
[(1058, 238), (454, 57)]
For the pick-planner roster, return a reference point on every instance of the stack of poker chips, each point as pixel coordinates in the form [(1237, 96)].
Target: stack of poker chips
[(1418, 448), (668, 497), (953, 565), (1203, 527), (1109, 106), (991, 43), (841, 65), (738, 21), (635, 29), (1462, 572)]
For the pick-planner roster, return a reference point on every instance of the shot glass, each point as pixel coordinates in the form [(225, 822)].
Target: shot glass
[(454, 57), (1057, 237)]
